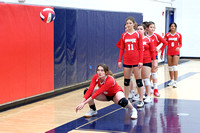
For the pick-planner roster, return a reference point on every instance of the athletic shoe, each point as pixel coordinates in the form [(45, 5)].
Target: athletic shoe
[(170, 83), (175, 84), (90, 113), (136, 97), (134, 114), (148, 99), (156, 93), (140, 104), (131, 94)]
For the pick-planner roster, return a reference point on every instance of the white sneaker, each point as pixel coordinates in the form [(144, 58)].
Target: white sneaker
[(148, 99), (134, 114), (170, 83), (131, 94), (175, 84), (90, 113), (140, 104), (136, 97)]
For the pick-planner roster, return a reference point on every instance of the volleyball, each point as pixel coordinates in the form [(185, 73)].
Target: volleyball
[(47, 15)]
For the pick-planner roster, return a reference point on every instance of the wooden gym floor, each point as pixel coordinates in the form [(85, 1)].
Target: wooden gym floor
[(176, 111)]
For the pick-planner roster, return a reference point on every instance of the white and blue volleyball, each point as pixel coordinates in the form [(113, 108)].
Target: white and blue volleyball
[(47, 15)]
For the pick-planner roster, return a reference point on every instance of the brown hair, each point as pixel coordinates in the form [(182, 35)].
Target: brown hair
[(133, 20), (150, 23), (106, 69)]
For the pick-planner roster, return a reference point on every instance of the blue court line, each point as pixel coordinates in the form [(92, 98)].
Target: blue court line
[(83, 121)]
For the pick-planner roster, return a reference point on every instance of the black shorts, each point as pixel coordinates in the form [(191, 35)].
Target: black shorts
[(130, 66), (148, 64), (109, 98)]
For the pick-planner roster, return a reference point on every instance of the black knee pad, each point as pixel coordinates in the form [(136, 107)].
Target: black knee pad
[(85, 91), (139, 82), (123, 102), (126, 82)]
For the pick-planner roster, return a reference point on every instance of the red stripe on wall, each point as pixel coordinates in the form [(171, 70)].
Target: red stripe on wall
[(26, 52)]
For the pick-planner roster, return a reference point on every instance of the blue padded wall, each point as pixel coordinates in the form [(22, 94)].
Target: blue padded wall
[(83, 39)]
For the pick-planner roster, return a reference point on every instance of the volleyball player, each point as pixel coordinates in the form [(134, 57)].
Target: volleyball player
[(132, 48), (174, 40), (131, 93), (148, 54), (157, 39), (108, 90)]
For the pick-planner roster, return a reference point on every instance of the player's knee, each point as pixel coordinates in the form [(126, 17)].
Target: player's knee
[(175, 68), (123, 102), (85, 91), (147, 82), (139, 82), (171, 68), (154, 75), (126, 82)]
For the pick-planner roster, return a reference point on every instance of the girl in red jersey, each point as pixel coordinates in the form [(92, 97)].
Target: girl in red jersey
[(148, 54), (108, 90), (174, 40), (157, 39), (131, 93), (132, 48)]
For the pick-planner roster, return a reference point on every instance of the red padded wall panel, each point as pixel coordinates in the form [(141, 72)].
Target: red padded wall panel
[(26, 52)]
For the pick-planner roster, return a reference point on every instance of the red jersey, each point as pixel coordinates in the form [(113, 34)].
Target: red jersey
[(174, 41), (108, 87), (157, 39), (132, 48), (149, 50)]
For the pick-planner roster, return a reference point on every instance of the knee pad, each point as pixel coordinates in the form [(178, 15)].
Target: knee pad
[(175, 68), (85, 91), (123, 102), (126, 82), (147, 82), (154, 75), (139, 82), (171, 68)]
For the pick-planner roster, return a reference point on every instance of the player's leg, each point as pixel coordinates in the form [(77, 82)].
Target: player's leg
[(175, 68), (146, 70), (155, 79), (171, 70), (127, 75), (132, 91), (92, 105), (120, 99), (140, 88)]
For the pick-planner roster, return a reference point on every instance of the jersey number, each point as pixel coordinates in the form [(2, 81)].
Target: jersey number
[(130, 47), (172, 44)]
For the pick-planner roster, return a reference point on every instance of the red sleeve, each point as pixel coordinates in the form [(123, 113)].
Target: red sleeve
[(121, 52), (118, 43), (91, 87), (140, 46), (152, 50), (180, 41), (108, 84), (164, 43)]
